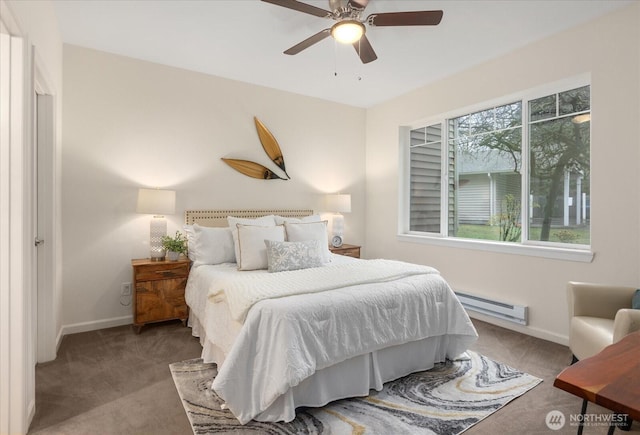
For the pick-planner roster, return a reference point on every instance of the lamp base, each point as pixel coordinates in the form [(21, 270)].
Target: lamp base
[(157, 230), (337, 227)]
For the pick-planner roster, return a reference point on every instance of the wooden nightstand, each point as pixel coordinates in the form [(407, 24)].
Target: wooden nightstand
[(158, 291), (348, 250)]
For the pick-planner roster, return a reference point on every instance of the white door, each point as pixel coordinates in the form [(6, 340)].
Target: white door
[(44, 229)]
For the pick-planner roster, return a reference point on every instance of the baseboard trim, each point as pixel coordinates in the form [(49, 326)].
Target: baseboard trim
[(527, 330), (31, 412), (94, 325), (59, 340)]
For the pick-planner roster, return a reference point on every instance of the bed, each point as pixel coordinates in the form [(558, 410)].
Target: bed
[(311, 327)]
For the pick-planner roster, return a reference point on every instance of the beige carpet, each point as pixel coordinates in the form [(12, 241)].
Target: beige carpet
[(116, 382)]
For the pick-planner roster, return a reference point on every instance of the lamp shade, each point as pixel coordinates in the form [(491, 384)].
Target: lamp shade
[(339, 203), (156, 201)]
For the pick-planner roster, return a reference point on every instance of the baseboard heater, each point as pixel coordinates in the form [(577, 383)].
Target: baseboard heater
[(501, 310)]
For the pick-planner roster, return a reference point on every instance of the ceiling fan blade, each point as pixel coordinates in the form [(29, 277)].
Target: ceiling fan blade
[(365, 50), (301, 7), (358, 5), (309, 42), (416, 18)]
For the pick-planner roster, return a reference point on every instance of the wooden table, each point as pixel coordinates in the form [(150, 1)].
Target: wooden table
[(347, 250), (610, 379), (158, 291)]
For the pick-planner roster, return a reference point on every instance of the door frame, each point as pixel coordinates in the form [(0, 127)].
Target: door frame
[(17, 353), (18, 292)]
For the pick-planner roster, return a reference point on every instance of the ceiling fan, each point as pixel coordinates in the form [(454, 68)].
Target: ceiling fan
[(350, 27)]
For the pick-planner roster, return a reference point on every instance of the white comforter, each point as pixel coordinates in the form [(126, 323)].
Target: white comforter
[(287, 339), (244, 290)]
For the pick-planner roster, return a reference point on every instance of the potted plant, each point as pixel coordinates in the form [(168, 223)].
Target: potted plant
[(175, 246)]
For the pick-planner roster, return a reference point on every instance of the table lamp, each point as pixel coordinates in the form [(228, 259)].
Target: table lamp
[(338, 203), (158, 203)]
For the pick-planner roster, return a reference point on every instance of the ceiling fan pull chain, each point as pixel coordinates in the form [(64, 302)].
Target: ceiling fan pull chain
[(360, 65), (335, 59), (359, 77)]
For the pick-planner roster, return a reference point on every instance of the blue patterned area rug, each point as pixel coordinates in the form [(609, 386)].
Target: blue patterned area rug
[(446, 400)]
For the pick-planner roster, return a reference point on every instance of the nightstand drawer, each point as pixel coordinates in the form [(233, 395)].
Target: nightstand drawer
[(168, 288), (351, 252), (153, 272)]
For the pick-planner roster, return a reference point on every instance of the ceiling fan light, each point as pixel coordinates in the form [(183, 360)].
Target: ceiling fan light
[(347, 31)]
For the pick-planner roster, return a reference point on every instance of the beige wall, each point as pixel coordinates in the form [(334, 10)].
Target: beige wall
[(131, 124), (608, 49)]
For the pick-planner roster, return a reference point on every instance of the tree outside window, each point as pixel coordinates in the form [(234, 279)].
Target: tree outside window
[(559, 143), (485, 172)]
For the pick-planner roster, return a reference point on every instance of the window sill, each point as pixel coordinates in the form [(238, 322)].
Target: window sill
[(555, 253)]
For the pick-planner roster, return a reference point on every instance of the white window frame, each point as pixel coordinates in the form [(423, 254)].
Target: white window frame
[(552, 250)]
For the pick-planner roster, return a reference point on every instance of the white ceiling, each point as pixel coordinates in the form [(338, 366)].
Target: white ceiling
[(244, 40)]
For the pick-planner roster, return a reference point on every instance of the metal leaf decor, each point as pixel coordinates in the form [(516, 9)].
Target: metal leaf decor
[(270, 145), (252, 169), (271, 148)]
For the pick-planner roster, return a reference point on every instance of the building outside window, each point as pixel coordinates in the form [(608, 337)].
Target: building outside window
[(517, 172)]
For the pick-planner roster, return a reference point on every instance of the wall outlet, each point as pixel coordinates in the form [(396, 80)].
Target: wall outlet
[(125, 290)]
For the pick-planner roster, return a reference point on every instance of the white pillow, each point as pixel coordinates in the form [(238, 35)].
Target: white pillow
[(280, 220), (212, 246), (191, 241), (283, 256), (264, 221), (251, 247), (299, 232)]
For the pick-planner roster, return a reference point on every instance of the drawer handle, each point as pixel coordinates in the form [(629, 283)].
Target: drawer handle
[(164, 272)]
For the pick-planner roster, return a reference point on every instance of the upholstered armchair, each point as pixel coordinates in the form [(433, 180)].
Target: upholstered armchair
[(600, 315)]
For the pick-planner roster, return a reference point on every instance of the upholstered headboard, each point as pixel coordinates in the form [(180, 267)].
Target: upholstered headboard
[(218, 218)]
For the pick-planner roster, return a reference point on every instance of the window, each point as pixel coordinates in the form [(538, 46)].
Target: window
[(515, 173)]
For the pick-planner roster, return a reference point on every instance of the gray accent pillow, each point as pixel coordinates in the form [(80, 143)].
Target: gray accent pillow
[(282, 256), (635, 302)]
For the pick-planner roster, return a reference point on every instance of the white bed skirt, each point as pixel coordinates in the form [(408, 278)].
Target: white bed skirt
[(353, 377)]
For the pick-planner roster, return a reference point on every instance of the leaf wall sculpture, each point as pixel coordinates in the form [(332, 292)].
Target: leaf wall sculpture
[(270, 145), (271, 148), (252, 169)]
